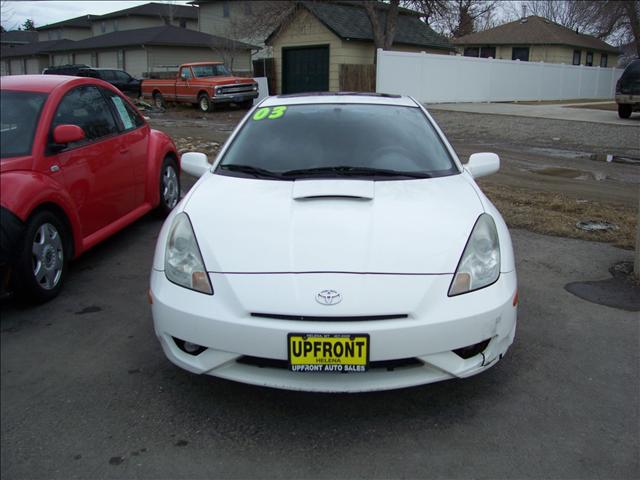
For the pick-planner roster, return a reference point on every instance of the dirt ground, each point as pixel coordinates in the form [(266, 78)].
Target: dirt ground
[(553, 173)]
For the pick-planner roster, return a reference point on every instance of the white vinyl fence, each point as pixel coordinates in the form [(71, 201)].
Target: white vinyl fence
[(431, 78)]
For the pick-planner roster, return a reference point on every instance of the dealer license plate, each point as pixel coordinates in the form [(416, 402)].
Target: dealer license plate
[(340, 353)]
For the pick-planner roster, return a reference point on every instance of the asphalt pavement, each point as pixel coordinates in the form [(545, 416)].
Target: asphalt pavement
[(86, 391)]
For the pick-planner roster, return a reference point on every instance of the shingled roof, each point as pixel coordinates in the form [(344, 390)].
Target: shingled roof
[(534, 30), (156, 10), (35, 48), (18, 37), (349, 21), (78, 22), (166, 35)]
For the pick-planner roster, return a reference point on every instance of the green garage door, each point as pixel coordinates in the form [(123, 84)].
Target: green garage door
[(305, 69)]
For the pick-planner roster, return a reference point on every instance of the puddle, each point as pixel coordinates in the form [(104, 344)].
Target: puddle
[(556, 152), (596, 226), (573, 173)]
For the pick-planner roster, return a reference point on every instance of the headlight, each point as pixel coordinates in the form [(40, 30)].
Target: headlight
[(480, 263), (183, 263)]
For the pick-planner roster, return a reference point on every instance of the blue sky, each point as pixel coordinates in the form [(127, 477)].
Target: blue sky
[(14, 13)]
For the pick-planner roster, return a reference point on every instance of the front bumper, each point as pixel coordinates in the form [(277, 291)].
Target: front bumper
[(234, 97), (430, 332), (628, 99)]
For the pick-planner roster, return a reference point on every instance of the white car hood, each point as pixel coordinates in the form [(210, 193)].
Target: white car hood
[(265, 226)]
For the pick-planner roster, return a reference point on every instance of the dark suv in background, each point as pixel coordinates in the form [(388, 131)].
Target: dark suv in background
[(118, 78), (628, 90)]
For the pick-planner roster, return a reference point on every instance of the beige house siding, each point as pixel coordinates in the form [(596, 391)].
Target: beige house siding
[(69, 33), (550, 54), (135, 62), (84, 57), (163, 58), (108, 59), (100, 27), (36, 65), (61, 59), (17, 66)]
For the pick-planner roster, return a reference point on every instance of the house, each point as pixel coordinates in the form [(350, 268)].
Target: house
[(154, 49), (537, 39), (317, 41), (146, 38), (76, 28)]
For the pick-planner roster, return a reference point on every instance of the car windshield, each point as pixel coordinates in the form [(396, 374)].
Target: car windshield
[(19, 113), (379, 142), (201, 71)]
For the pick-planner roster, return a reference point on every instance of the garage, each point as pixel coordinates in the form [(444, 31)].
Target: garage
[(305, 69)]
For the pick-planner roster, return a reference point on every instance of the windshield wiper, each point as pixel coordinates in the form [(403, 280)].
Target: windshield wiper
[(251, 170), (347, 171)]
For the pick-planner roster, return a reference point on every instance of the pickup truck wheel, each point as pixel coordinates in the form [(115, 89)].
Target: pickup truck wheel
[(41, 265), (169, 186), (624, 110), (204, 103), (158, 100)]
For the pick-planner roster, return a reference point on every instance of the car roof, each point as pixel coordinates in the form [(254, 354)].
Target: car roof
[(45, 83), (340, 97), (34, 83), (194, 64)]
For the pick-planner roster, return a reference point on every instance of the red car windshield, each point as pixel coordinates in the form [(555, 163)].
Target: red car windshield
[(201, 71), (19, 114)]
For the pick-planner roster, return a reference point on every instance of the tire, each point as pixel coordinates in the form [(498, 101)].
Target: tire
[(624, 110), (41, 266), (204, 103), (169, 186), (247, 104), (158, 100)]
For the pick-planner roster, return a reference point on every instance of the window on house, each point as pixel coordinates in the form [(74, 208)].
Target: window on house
[(183, 23), (248, 11), (520, 53), (577, 57), (589, 62), (103, 27), (604, 58), (225, 9), (486, 52), (472, 52), (115, 25)]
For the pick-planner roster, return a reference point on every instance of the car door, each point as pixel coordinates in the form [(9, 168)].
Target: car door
[(135, 135), (96, 170), (184, 91)]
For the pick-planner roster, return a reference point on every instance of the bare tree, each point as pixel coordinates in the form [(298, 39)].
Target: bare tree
[(378, 13), (457, 17)]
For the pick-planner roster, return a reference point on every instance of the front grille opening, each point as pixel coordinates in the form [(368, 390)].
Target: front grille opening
[(310, 318), (472, 350), (188, 347), (389, 365)]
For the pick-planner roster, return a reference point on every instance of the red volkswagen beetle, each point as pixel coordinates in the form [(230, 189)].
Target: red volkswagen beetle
[(77, 163)]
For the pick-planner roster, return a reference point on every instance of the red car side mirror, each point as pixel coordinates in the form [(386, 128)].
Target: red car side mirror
[(64, 134)]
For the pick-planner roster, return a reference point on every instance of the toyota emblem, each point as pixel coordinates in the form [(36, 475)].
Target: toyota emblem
[(328, 297)]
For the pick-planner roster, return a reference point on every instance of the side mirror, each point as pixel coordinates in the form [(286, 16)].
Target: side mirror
[(483, 164), (64, 134), (194, 163)]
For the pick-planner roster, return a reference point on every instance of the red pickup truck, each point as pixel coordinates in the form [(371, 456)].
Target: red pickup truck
[(203, 84)]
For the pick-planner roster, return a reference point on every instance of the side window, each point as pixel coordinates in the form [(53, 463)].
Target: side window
[(107, 75), (122, 76), (87, 108), (185, 73), (577, 57), (128, 117)]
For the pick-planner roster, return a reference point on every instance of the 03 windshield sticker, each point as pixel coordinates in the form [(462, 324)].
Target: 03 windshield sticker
[(269, 113)]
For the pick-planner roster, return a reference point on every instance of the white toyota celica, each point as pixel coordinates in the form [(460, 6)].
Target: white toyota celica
[(336, 244)]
